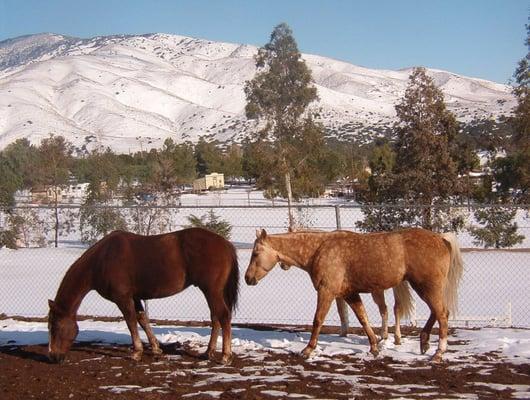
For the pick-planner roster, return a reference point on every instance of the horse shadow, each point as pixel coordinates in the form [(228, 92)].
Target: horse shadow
[(23, 353)]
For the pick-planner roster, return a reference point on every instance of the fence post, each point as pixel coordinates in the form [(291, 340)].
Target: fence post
[(337, 216)]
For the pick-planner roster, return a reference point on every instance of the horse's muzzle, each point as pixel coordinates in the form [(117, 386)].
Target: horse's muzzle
[(56, 358), (251, 281)]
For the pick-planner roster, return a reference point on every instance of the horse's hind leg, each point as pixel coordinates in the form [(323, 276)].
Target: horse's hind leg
[(397, 319), (433, 296), (443, 317), (426, 333), (126, 306), (343, 315), (357, 306), (379, 299), (226, 323), (212, 344), (221, 318), (143, 320)]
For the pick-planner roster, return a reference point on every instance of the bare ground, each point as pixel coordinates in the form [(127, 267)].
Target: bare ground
[(103, 371)]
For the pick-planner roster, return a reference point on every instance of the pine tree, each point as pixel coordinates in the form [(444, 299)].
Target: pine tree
[(184, 163), (513, 172), (55, 161), (233, 163), (212, 222), (278, 97), (208, 157), (425, 170), (9, 183), (498, 229), (97, 214)]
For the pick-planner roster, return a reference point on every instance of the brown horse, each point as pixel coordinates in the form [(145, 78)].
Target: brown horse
[(126, 268), (347, 265)]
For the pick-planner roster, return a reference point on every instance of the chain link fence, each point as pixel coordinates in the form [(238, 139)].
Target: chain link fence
[(495, 289)]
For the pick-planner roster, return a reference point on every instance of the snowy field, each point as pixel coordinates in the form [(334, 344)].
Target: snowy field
[(511, 343), (494, 291), (494, 294), (481, 350)]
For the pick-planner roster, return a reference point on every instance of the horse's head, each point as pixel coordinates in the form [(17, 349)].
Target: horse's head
[(62, 329), (263, 259)]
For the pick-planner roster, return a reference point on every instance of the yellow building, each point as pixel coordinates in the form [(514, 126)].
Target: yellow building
[(210, 181)]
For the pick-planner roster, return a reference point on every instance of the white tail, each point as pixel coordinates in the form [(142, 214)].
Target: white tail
[(403, 297), (456, 269)]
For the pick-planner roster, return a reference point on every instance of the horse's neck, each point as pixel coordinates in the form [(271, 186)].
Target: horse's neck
[(296, 249), (74, 287)]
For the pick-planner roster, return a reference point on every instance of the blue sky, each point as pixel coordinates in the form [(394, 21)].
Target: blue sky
[(479, 38)]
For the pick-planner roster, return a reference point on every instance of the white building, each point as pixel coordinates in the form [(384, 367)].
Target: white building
[(209, 182)]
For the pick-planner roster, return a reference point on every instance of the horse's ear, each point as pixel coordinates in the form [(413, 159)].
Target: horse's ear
[(258, 233), (52, 305), (263, 234)]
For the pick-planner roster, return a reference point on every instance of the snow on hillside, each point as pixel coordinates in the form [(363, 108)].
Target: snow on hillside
[(132, 92)]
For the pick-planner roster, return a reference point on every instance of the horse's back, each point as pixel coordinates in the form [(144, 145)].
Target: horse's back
[(381, 260), (427, 253), (158, 265)]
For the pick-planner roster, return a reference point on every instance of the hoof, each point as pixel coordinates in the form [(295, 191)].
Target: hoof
[(306, 352), (437, 358), (375, 352), (136, 355), (226, 359), (424, 347), (397, 341), (157, 351)]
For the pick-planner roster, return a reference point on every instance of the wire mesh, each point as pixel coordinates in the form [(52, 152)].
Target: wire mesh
[(494, 290)]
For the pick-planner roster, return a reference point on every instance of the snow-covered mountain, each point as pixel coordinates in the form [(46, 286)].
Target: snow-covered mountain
[(132, 92)]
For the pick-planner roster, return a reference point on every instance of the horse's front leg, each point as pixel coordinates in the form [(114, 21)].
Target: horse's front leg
[(379, 299), (323, 303), (127, 308), (143, 320)]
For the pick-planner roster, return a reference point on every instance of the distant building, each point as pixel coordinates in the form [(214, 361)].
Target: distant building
[(74, 193), (208, 182)]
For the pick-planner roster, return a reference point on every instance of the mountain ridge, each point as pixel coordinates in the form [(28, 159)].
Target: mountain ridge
[(130, 92)]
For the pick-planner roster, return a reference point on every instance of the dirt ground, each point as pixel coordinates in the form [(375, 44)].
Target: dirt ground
[(103, 371)]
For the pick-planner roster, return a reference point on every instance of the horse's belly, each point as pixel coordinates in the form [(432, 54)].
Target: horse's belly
[(376, 280), (161, 289)]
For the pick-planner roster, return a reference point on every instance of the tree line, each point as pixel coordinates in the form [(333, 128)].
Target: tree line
[(425, 163)]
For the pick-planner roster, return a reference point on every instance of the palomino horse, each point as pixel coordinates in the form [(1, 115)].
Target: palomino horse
[(347, 265), (402, 298), (126, 268)]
